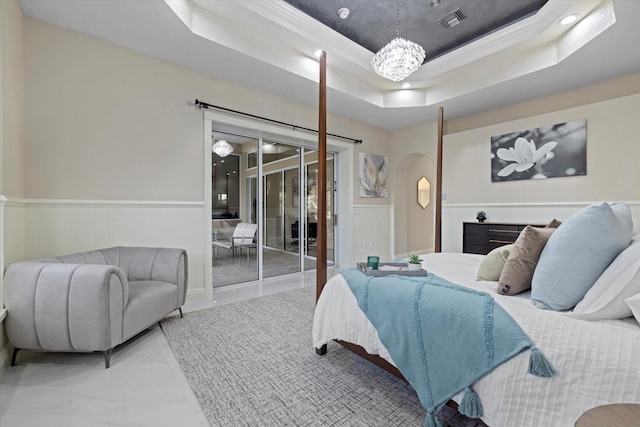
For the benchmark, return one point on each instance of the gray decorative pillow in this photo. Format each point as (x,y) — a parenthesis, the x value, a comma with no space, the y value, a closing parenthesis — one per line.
(518,269)
(492,264)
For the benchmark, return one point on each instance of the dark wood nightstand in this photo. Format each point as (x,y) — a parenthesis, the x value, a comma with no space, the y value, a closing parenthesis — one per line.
(482,237)
(616,415)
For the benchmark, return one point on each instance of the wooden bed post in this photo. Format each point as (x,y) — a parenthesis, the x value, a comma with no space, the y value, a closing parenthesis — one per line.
(321,249)
(438,231)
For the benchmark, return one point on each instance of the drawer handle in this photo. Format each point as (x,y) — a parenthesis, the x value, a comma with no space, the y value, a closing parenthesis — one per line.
(504,231)
(500,241)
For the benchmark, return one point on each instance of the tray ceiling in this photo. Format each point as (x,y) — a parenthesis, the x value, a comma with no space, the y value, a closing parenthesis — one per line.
(372,24)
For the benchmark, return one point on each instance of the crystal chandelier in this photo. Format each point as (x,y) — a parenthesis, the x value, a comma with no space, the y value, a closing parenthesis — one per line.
(222,148)
(399,58)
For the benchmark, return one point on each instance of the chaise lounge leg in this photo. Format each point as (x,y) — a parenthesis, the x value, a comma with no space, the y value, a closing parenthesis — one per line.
(107,357)
(322,350)
(13,356)
(180,310)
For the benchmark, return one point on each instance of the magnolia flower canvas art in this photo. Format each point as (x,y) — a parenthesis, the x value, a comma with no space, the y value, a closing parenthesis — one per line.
(546,152)
(373,175)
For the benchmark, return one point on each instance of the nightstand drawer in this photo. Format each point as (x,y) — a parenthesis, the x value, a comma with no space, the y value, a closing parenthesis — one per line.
(483,237)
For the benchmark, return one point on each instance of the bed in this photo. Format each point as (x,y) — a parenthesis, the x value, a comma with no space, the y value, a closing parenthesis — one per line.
(597,362)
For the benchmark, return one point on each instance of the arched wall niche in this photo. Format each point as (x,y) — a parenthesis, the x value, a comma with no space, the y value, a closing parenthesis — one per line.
(413,226)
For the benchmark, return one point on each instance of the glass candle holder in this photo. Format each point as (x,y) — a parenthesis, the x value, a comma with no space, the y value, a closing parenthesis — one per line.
(372,262)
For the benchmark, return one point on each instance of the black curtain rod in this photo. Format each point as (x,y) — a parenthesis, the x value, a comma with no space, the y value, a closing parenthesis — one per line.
(201,104)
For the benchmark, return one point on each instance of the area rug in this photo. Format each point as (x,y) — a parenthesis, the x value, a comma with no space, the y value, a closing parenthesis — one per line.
(251,363)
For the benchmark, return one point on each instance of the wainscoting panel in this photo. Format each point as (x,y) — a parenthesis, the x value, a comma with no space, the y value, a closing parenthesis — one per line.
(454,215)
(371,232)
(14,232)
(12,237)
(59,227)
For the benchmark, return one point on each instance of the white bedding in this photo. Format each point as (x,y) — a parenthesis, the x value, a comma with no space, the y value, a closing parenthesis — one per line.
(597,362)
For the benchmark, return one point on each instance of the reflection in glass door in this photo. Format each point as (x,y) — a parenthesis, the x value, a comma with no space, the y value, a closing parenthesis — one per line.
(292,209)
(276,191)
(273,212)
(311,228)
(280,169)
(234,244)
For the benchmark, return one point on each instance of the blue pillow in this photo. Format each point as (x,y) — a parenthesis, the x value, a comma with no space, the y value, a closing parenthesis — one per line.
(578,252)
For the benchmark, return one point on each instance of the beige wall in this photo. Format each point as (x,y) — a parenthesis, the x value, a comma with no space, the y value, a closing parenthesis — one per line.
(419,220)
(612,158)
(611,110)
(105,122)
(413,155)
(12,227)
(603,91)
(413,225)
(11,182)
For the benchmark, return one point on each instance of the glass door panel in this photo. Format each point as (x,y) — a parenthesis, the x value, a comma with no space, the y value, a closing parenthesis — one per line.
(280,166)
(280,195)
(273,215)
(233,198)
(292,210)
(311,203)
(330,218)
(311,219)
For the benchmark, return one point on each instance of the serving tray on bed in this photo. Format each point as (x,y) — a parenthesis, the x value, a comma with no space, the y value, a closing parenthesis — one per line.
(404,270)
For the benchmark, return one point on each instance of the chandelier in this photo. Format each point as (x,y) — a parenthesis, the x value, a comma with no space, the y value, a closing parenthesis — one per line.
(222,148)
(398,58)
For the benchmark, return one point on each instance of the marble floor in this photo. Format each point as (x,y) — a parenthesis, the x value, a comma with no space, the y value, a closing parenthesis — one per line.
(143,387)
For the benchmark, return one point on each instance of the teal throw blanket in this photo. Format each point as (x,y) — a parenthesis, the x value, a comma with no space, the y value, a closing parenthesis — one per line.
(441,336)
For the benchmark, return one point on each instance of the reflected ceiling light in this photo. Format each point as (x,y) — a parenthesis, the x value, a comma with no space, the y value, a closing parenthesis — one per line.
(406,85)
(568,19)
(399,58)
(222,148)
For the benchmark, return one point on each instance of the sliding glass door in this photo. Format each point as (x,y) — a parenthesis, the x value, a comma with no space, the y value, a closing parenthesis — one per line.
(275,186)
(281,175)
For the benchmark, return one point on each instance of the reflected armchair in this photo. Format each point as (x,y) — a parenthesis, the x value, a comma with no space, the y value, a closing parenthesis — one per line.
(243,236)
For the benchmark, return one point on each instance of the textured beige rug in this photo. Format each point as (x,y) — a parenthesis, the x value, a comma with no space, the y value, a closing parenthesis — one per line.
(252,363)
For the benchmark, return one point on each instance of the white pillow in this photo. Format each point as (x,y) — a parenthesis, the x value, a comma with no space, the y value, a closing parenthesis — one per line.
(634,305)
(492,264)
(621,280)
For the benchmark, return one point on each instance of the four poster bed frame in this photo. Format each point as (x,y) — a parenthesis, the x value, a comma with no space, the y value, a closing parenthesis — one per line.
(577,346)
(321,260)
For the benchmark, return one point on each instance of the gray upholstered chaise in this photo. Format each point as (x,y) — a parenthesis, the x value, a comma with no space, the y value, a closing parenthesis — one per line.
(92,301)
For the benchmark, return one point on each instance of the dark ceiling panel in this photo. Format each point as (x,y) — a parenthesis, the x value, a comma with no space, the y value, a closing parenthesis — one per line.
(372,23)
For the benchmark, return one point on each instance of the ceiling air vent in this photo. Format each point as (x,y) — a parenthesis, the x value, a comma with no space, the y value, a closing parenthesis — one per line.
(452,19)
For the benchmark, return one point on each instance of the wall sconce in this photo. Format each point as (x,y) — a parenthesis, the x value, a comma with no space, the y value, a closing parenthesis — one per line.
(424,192)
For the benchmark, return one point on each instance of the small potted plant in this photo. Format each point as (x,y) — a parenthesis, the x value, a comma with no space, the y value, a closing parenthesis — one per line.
(415,262)
(481,216)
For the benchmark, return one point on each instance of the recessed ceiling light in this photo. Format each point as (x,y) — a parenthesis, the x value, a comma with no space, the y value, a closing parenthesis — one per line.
(406,85)
(343,13)
(317,53)
(568,19)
